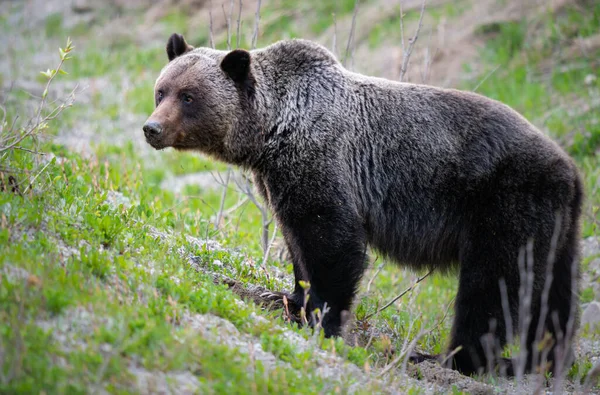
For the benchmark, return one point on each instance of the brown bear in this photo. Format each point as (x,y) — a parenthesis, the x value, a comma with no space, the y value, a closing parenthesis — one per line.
(430,177)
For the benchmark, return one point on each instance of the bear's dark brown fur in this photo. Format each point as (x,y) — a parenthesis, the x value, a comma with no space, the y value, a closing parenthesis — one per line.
(432,178)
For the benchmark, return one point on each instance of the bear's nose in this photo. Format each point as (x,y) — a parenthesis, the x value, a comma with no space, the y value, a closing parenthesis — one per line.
(152,129)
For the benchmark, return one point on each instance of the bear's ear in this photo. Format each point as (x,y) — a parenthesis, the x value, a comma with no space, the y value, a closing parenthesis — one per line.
(236,65)
(176,46)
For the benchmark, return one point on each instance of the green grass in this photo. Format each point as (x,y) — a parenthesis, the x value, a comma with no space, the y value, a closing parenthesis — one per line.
(113,267)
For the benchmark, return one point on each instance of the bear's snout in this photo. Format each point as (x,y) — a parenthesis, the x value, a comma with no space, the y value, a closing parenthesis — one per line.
(152,129)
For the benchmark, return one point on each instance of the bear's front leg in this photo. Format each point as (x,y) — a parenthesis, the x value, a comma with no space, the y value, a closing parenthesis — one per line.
(328,249)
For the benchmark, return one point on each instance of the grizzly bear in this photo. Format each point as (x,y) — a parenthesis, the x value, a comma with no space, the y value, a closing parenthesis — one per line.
(432,178)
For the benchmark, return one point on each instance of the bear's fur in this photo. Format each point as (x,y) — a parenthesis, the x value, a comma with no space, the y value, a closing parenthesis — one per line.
(430,177)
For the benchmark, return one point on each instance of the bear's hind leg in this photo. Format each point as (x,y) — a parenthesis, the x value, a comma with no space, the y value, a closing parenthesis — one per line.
(560,320)
(479,329)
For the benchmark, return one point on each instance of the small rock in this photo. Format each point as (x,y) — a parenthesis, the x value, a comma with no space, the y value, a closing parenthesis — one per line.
(591,315)
(115,199)
(589,79)
(14,273)
(591,246)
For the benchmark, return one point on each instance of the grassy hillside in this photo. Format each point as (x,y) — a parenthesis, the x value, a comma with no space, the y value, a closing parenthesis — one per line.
(126,270)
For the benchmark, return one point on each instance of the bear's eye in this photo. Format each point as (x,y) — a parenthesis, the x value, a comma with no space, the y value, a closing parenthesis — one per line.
(159,96)
(187,98)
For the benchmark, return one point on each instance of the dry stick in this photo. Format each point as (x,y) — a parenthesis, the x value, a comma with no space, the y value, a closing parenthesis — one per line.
(334,44)
(256,22)
(36,176)
(266,254)
(570,330)
(488,75)
(508,324)
(229,170)
(246,189)
(450,355)
(405,354)
(239,204)
(399,296)
(10,130)
(229,25)
(3,121)
(411,43)
(239,25)
(210,26)
(406,347)
(546,291)
(436,326)
(525,262)
(427,60)
(350,43)
(42,120)
(223,197)
(592,375)
(487,342)
(375,275)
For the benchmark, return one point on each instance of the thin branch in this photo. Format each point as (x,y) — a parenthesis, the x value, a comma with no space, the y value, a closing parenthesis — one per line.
(375,275)
(391,302)
(592,375)
(334,44)
(229,25)
(239,25)
(210,26)
(256,22)
(223,197)
(485,78)
(268,249)
(30,151)
(411,43)
(42,121)
(350,43)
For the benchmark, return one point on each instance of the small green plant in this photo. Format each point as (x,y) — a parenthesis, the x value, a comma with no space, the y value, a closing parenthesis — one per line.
(26,135)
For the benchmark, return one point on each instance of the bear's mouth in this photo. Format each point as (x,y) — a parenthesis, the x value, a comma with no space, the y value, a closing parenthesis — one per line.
(156,144)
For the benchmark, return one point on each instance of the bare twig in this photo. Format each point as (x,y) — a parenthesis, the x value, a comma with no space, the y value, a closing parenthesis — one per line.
(229,24)
(266,252)
(375,274)
(350,44)
(210,26)
(41,121)
(37,126)
(450,355)
(508,322)
(391,302)
(334,44)
(406,52)
(229,169)
(541,326)
(525,263)
(563,352)
(36,176)
(223,197)
(427,60)
(402,355)
(245,187)
(488,75)
(592,375)
(256,23)
(239,25)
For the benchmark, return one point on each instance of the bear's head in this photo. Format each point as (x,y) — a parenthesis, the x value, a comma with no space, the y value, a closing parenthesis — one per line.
(199,95)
